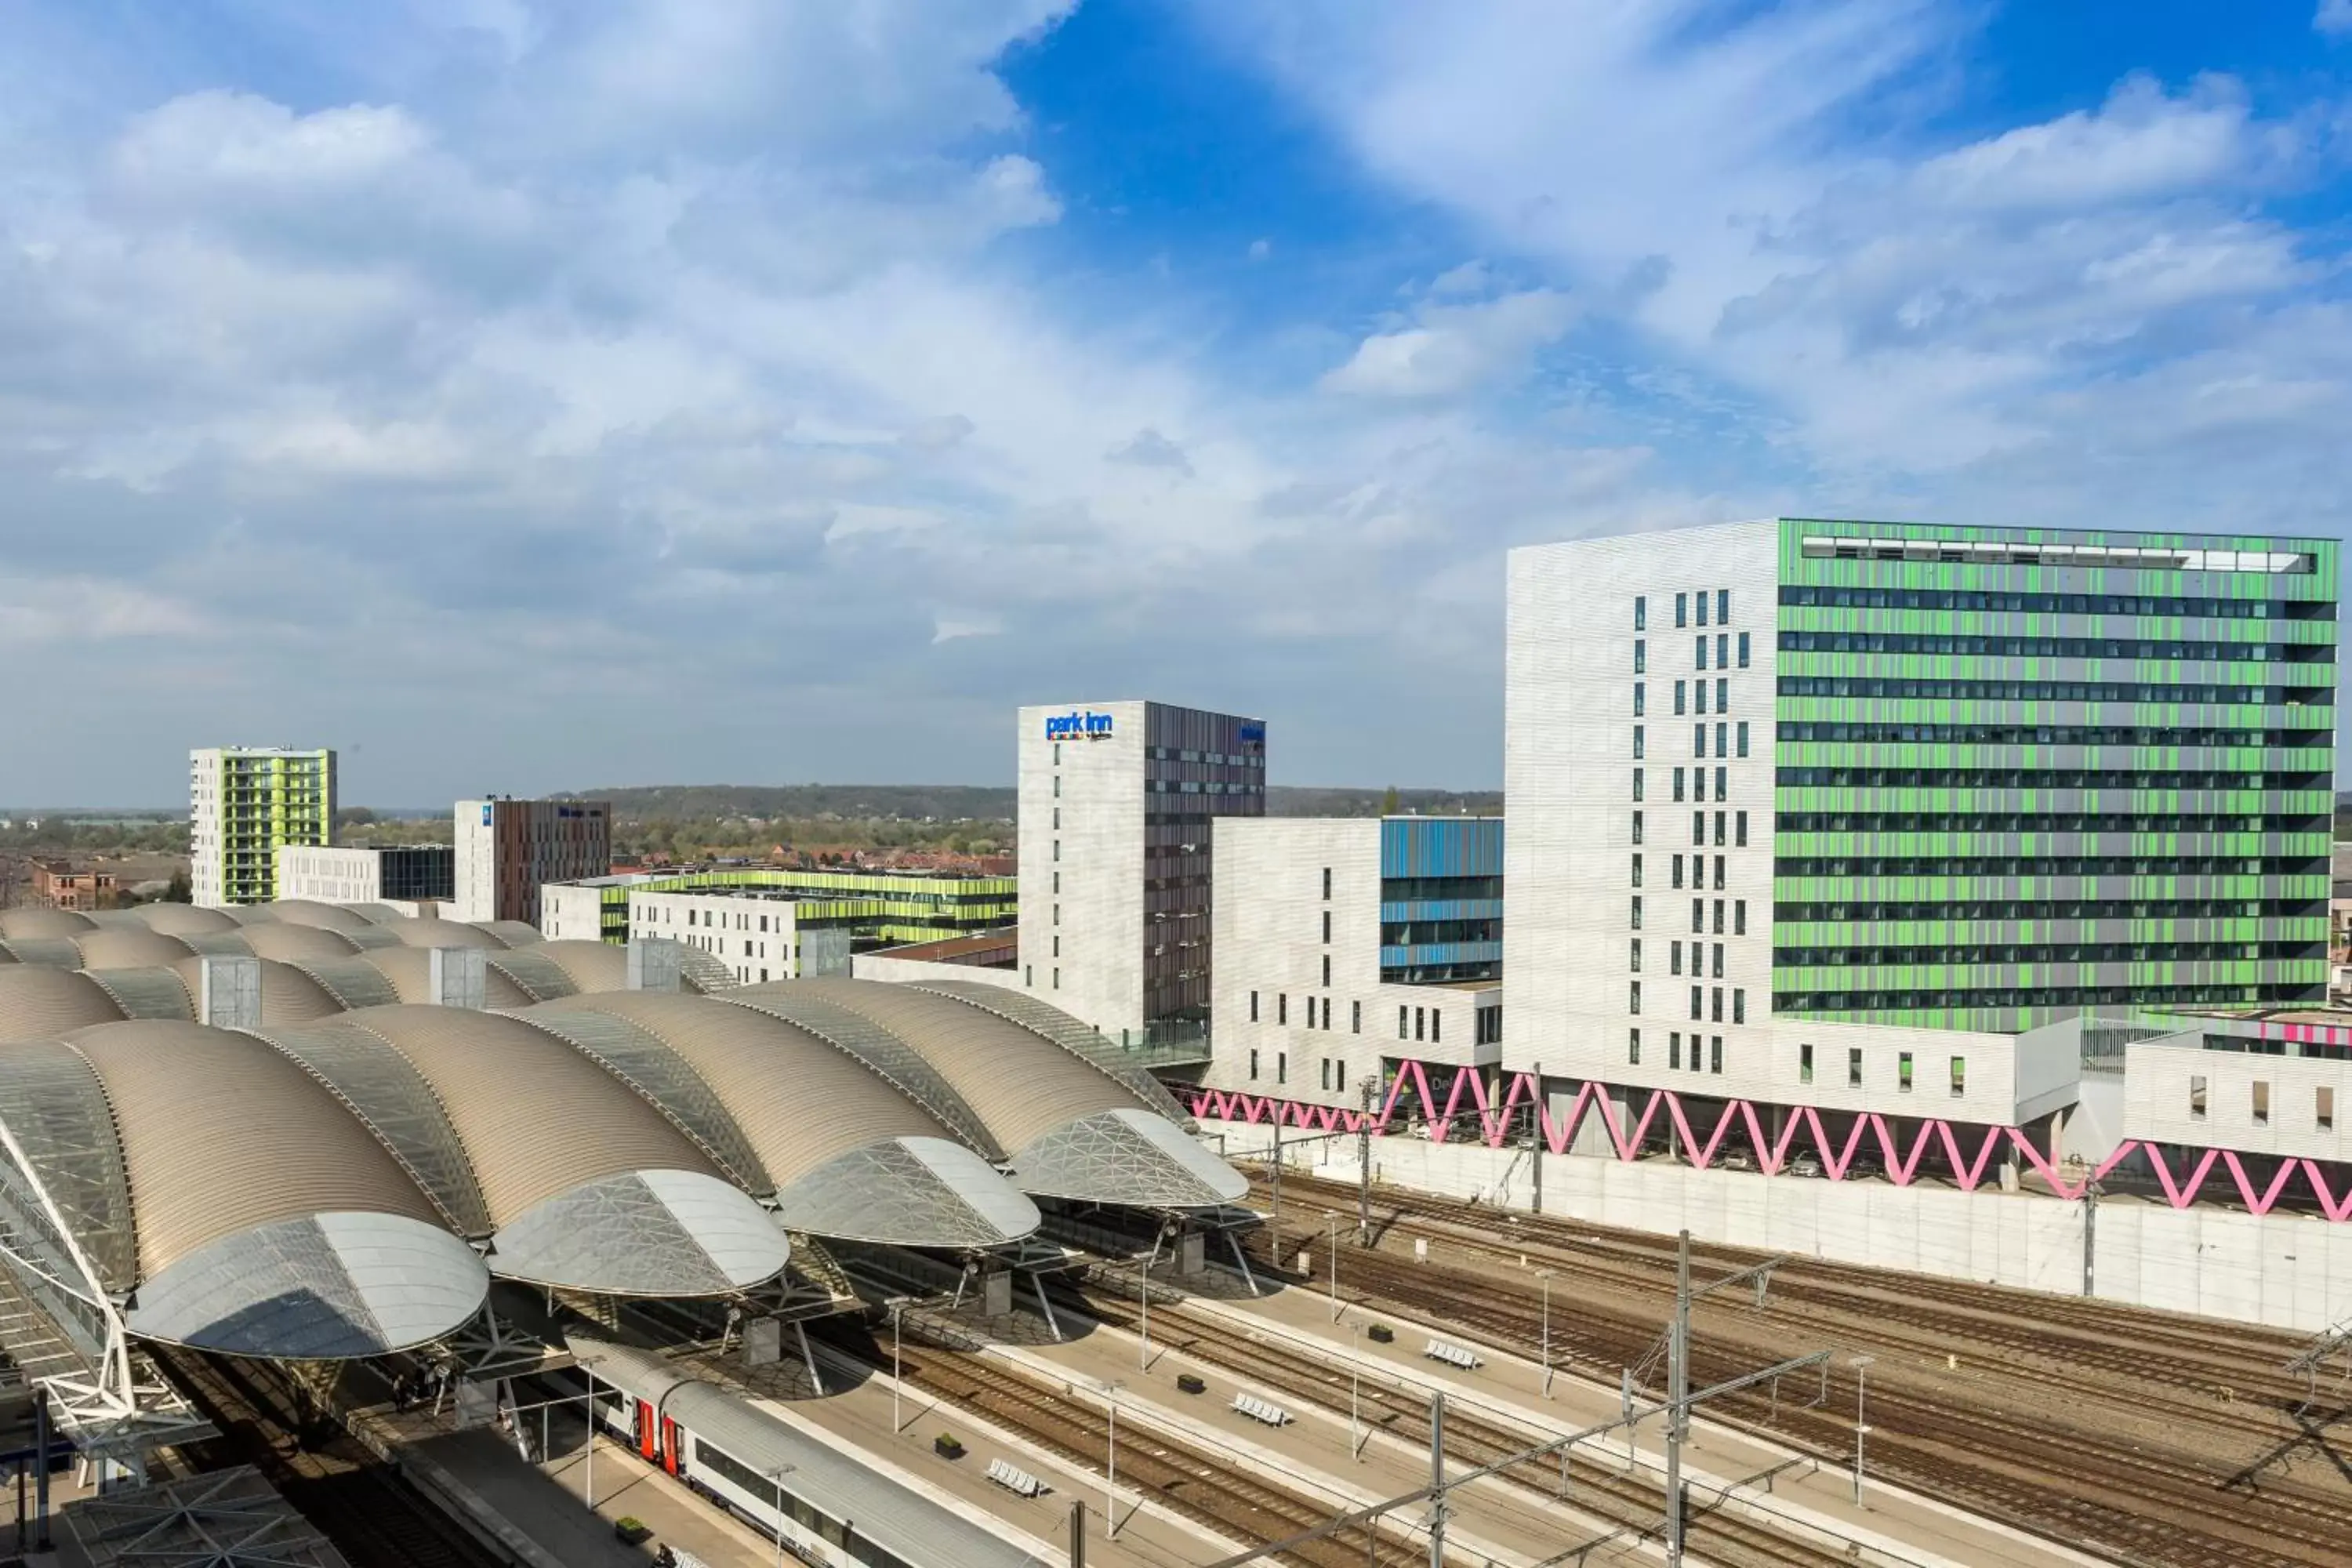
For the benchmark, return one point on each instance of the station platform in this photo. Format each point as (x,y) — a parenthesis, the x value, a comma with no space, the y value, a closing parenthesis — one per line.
(1890,1526)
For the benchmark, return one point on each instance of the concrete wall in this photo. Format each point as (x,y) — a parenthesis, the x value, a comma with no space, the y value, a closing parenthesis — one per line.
(906,970)
(2234,1099)
(2288,1272)
(1569,940)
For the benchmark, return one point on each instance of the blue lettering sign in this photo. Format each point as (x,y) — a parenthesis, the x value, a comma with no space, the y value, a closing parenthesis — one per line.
(1253,733)
(1077,726)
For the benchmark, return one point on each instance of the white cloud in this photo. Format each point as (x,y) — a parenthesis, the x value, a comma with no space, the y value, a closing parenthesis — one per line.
(2334,17)
(1451,349)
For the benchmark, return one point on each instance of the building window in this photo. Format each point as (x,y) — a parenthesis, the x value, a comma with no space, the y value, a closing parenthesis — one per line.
(1436,1027)
(1282,1007)
(1698,1002)
(1698,828)
(1057,819)
(1640,690)
(1057,947)
(1722,694)
(1057,850)
(1702,606)
(1678,870)
(1719,827)
(1902,1071)
(1739,1006)
(1723,607)
(1679,685)
(1634,1048)
(1675,1050)
(2261,1104)
(1719,883)
(1634,958)
(1420,1023)
(1960,1077)
(1637,911)
(1720,750)
(1739,916)
(1698,914)
(1641,656)
(1327,927)
(1739,831)
(1699,697)
(1354,1017)
(1057,786)
(1058,754)
(1637,870)
(1715,1054)
(1029,976)
(1715,1002)
(1682,607)
(1674,958)
(2196,1098)
(1057,979)
(1253,1007)
(1678,783)
(1637,828)
(1327,895)
(1404,1021)
(1641,614)
(1722,783)
(1637,743)
(1637,784)
(1698,652)
(1326,980)
(1057,881)
(1743,738)
(1323,1066)
(1282,1066)
(1743,650)
(1854,1067)
(1805,1064)
(1719,960)
(1698,740)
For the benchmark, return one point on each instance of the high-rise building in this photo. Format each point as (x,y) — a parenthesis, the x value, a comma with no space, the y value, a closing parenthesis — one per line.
(1777,777)
(1118,803)
(508,849)
(244,802)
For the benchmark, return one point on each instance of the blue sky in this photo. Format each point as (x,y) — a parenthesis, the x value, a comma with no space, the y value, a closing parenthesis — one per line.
(524,396)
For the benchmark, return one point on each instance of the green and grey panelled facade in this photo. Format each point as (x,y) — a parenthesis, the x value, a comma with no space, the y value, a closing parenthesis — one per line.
(2023,772)
(880,908)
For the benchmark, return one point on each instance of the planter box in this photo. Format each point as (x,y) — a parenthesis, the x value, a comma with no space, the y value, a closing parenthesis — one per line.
(947,1448)
(630,1531)
(1381,1333)
(1190,1383)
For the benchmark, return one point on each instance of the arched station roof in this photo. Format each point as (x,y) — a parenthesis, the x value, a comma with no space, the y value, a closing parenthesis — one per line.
(834,1144)
(265,1220)
(1070,1126)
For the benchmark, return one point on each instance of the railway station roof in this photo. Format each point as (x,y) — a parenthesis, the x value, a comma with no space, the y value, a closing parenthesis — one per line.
(1071,1125)
(833,1143)
(223,1193)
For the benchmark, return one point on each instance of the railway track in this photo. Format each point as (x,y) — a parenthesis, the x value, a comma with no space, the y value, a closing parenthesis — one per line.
(1202,1487)
(2110,1461)
(372,1517)
(1633,1506)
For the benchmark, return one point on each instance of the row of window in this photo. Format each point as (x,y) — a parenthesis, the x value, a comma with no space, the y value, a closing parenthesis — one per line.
(1699,953)
(1428,933)
(1723,741)
(1435,890)
(1871,687)
(1705,1003)
(2117,779)
(2046,952)
(1739,823)
(2258,1106)
(1903,1075)
(1698,777)
(1871,733)
(2171,650)
(1697,697)
(1215,759)
(1195,786)
(1722,651)
(1682,602)
(1698,869)
(1706,1055)
(2029,822)
(2047,865)
(1824,597)
(1790,1003)
(1795,912)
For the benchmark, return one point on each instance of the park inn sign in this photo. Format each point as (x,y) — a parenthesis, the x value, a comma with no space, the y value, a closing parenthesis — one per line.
(1077,726)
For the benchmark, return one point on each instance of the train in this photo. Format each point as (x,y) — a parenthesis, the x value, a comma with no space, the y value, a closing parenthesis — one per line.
(826,1508)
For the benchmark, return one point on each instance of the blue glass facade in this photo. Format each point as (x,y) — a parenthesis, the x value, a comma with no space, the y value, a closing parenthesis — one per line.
(1441,898)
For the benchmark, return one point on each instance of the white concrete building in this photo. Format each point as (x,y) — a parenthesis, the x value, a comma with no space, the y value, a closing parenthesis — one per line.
(1348,946)
(1117,802)
(349,874)
(509,849)
(757,935)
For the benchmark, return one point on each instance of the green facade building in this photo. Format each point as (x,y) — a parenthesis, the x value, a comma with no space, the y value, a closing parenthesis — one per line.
(2021,774)
(244,802)
(879,909)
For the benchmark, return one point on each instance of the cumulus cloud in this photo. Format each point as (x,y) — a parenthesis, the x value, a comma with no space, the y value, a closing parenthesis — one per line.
(1450,350)
(2334,17)
(1148,448)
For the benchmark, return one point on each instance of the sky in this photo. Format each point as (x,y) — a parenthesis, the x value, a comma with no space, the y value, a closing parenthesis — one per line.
(522,396)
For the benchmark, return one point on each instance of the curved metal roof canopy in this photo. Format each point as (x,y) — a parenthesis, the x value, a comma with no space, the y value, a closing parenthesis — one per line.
(266,1221)
(1073,1128)
(841,1151)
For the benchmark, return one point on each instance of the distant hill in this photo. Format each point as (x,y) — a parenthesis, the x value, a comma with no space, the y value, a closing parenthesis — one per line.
(973,803)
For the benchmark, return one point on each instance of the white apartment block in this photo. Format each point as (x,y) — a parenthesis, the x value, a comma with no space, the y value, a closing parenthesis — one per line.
(1315,947)
(757,936)
(509,849)
(244,802)
(572,911)
(1117,802)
